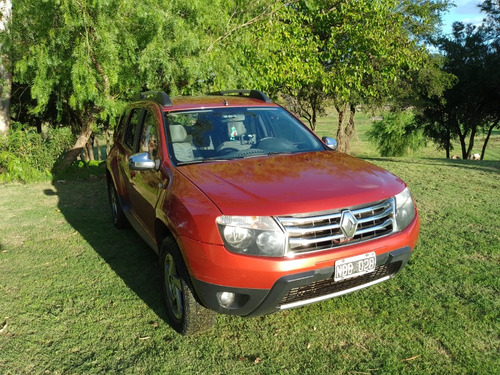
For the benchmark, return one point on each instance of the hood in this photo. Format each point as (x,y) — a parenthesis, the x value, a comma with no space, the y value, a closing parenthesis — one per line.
(291,184)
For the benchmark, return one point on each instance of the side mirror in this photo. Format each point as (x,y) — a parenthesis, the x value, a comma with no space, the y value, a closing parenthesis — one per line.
(330,142)
(141,162)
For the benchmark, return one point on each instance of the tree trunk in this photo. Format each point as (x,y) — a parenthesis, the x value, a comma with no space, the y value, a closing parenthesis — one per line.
(80,143)
(314,119)
(471,142)
(448,143)
(98,148)
(90,148)
(5,87)
(461,137)
(341,110)
(495,124)
(84,154)
(345,129)
(5,77)
(349,130)
(462,146)
(315,107)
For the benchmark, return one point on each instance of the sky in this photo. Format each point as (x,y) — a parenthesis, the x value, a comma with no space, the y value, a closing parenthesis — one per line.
(466,11)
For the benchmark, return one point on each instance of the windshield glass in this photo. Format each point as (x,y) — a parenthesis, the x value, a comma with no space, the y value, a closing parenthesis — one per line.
(231,133)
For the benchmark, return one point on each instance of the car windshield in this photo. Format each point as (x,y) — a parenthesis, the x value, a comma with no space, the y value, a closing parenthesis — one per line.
(232,133)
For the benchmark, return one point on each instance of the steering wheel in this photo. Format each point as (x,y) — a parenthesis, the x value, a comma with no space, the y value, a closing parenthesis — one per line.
(227,150)
(266,139)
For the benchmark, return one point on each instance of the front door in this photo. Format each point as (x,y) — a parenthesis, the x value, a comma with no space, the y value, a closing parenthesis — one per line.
(144,187)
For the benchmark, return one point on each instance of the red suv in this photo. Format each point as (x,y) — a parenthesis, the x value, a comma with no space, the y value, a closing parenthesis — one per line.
(250,212)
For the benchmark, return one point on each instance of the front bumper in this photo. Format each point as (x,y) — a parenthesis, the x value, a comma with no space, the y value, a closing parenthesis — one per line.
(298,289)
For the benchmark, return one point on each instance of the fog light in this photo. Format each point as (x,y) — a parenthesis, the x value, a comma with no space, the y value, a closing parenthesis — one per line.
(226,299)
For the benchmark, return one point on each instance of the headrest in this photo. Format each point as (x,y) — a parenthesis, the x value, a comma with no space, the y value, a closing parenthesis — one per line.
(178,133)
(239,126)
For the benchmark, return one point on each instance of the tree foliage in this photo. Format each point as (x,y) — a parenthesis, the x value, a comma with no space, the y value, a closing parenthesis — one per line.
(94,53)
(356,52)
(82,59)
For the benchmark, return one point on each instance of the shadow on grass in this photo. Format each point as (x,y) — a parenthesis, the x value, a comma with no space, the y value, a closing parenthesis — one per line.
(83,201)
(483,165)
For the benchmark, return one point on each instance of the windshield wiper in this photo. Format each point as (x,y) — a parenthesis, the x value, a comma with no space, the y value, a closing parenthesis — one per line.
(279,153)
(208,160)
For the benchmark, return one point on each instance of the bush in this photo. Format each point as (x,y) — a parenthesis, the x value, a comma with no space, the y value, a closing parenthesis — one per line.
(28,156)
(13,168)
(395,134)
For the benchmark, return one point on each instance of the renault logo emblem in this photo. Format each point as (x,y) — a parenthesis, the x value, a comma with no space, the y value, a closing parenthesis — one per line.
(348,224)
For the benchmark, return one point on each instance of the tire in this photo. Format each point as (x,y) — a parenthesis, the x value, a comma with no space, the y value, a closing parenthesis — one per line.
(185,314)
(117,214)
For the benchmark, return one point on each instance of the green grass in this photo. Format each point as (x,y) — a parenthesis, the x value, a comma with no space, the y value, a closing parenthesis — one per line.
(78,296)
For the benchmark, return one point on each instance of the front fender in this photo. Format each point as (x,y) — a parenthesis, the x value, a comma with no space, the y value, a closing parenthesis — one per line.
(187,211)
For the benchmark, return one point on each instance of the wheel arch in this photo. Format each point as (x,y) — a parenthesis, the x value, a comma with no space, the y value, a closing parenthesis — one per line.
(162,231)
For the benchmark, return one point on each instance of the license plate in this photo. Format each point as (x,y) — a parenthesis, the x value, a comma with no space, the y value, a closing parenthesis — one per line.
(355,266)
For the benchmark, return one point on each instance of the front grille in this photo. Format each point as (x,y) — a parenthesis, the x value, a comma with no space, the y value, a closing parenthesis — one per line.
(330,286)
(316,232)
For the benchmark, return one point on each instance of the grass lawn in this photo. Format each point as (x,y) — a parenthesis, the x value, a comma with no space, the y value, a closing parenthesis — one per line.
(78,296)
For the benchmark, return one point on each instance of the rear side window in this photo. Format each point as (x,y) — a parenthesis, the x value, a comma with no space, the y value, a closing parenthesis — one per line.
(120,129)
(132,128)
(149,137)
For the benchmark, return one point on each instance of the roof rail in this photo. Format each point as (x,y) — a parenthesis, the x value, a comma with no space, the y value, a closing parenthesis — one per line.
(254,94)
(159,97)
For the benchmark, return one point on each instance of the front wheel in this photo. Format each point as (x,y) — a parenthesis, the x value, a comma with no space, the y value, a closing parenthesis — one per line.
(185,314)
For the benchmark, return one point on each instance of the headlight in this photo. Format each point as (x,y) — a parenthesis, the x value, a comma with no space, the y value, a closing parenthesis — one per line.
(252,235)
(405,209)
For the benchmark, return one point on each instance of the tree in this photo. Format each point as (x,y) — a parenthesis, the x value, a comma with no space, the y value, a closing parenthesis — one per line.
(492,10)
(355,52)
(85,58)
(5,12)
(64,52)
(491,26)
(471,104)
